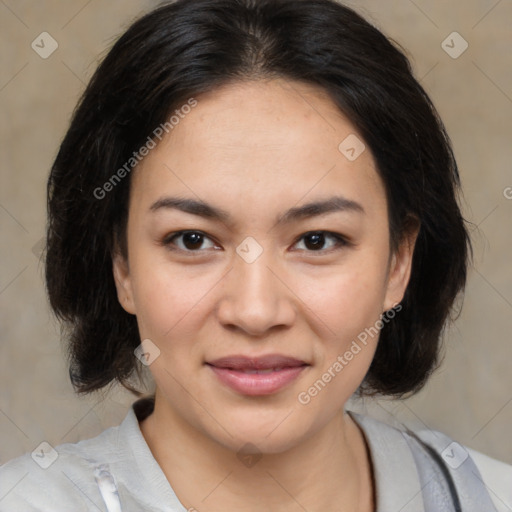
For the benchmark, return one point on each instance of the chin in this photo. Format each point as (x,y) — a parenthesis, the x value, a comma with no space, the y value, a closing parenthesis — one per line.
(260,433)
(256,443)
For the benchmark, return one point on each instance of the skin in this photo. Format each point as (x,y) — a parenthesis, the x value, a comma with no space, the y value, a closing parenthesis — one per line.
(256,149)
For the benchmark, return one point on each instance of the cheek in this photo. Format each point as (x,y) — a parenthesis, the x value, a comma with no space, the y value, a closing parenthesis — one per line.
(168,297)
(347,297)
(349,304)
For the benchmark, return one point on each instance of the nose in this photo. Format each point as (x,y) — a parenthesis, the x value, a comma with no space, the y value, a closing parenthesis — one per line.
(255,298)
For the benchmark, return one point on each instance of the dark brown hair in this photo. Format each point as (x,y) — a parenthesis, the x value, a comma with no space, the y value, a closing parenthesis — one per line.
(189,47)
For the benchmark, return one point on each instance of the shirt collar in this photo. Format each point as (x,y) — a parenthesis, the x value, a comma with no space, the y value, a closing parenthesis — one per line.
(397,483)
(145,472)
(396,480)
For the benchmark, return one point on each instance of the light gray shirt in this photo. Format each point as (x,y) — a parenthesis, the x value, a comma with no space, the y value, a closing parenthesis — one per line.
(116,472)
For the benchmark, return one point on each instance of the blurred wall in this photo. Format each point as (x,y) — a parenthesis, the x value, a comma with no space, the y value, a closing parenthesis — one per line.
(469,398)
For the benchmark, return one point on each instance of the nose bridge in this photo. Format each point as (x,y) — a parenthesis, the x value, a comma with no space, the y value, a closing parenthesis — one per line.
(255,299)
(256,281)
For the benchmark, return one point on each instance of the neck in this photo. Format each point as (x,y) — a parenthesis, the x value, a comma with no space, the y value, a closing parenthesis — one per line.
(332,466)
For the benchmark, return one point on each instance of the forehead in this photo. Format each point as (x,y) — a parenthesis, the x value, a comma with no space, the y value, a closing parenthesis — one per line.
(260,144)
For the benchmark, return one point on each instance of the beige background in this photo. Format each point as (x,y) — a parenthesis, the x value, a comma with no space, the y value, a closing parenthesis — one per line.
(469,398)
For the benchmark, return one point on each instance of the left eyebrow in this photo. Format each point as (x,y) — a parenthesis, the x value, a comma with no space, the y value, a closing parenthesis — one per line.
(331,205)
(316,208)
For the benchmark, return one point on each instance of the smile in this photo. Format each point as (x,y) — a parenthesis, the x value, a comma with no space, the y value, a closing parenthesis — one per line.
(257,382)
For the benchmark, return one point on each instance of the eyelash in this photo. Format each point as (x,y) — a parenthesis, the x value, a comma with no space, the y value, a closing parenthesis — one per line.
(340,241)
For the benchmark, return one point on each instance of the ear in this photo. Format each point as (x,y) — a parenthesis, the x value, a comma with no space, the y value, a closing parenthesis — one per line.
(123,282)
(399,270)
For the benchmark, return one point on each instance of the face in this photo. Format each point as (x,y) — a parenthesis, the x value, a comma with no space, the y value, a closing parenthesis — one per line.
(262,296)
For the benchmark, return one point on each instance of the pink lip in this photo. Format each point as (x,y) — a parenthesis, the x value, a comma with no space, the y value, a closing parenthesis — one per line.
(232,371)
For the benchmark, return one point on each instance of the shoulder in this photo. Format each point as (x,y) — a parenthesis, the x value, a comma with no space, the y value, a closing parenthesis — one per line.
(436,466)
(497,476)
(471,469)
(60,478)
(98,474)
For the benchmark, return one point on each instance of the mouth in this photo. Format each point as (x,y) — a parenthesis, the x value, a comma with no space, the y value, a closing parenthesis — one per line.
(255,376)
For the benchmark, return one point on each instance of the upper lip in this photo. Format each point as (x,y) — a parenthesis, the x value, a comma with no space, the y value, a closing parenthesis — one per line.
(241,362)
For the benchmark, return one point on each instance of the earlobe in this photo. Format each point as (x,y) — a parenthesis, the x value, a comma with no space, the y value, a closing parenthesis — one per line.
(123,283)
(400,269)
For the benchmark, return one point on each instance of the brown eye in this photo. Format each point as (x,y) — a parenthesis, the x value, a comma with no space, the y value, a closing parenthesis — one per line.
(316,240)
(188,241)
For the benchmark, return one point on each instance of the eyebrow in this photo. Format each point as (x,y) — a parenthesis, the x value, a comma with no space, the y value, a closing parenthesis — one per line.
(316,208)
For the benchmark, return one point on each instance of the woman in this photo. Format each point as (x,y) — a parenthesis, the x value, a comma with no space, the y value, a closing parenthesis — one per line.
(257,201)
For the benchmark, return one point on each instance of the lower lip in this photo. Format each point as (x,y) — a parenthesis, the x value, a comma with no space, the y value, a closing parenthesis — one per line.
(257,383)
